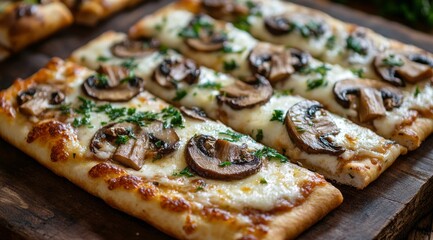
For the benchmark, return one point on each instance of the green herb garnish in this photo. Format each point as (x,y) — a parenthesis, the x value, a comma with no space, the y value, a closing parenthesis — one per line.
(270,153)
(180,94)
(186,172)
(259,135)
(230,65)
(231,136)
(225,164)
(277,115)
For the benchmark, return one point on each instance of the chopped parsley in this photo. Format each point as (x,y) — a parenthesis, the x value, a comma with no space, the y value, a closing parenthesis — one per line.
(129,64)
(322,70)
(229,49)
(417,91)
(286,92)
(112,113)
(102,80)
(263,181)
(122,139)
(186,172)
(312,28)
(392,61)
(315,83)
(84,121)
(158,27)
(277,115)
(270,153)
(358,72)
(225,164)
(171,117)
(102,59)
(65,109)
(210,85)
(330,43)
(242,23)
(197,25)
(180,94)
(231,136)
(259,135)
(230,65)
(355,45)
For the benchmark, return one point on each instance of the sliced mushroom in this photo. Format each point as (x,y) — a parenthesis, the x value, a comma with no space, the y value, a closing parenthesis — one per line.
(246,95)
(307,25)
(401,68)
(370,97)
(275,62)
(131,145)
(206,37)
(227,10)
(173,72)
(194,113)
(36,100)
(220,159)
(113,83)
(312,129)
(132,49)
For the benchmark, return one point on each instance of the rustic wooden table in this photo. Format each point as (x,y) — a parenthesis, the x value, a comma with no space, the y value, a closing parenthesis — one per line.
(36,204)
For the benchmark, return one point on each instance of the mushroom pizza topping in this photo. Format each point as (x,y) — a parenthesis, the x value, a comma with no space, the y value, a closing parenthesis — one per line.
(173,72)
(130,144)
(227,10)
(401,68)
(36,100)
(203,35)
(194,112)
(312,129)
(113,83)
(220,159)
(275,62)
(246,94)
(308,26)
(370,97)
(134,48)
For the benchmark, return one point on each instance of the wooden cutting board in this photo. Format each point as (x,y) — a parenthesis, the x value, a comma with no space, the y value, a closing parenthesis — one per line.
(37,204)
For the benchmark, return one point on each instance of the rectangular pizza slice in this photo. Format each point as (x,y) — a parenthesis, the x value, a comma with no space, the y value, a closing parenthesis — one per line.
(191,179)
(299,128)
(90,12)
(23,23)
(401,114)
(324,37)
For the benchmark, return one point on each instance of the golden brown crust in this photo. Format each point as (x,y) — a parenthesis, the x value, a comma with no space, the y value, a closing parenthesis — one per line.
(90,12)
(41,21)
(414,134)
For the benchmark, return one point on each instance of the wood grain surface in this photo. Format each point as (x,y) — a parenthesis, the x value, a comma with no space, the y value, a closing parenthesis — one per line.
(37,204)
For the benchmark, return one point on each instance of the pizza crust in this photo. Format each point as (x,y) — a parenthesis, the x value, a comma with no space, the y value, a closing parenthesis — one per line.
(49,18)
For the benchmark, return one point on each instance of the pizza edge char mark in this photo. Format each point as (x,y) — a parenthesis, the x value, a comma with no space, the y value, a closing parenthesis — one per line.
(35,109)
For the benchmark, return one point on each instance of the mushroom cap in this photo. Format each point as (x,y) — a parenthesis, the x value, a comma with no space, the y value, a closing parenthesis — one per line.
(307,24)
(312,129)
(399,68)
(206,156)
(227,10)
(207,37)
(37,99)
(194,113)
(275,62)
(130,144)
(113,83)
(345,90)
(134,48)
(249,94)
(171,73)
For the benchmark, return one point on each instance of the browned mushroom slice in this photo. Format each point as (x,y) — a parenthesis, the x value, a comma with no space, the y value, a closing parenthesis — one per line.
(113,83)
(194,112)
(131,145)
(246,95)
(220,159)
(173,72)
(374,97)
(227,10)
(36,100)
(134,48)
(271,61)
(203,35)
(399,68)
(299,58)
(312,129)
(306,25)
